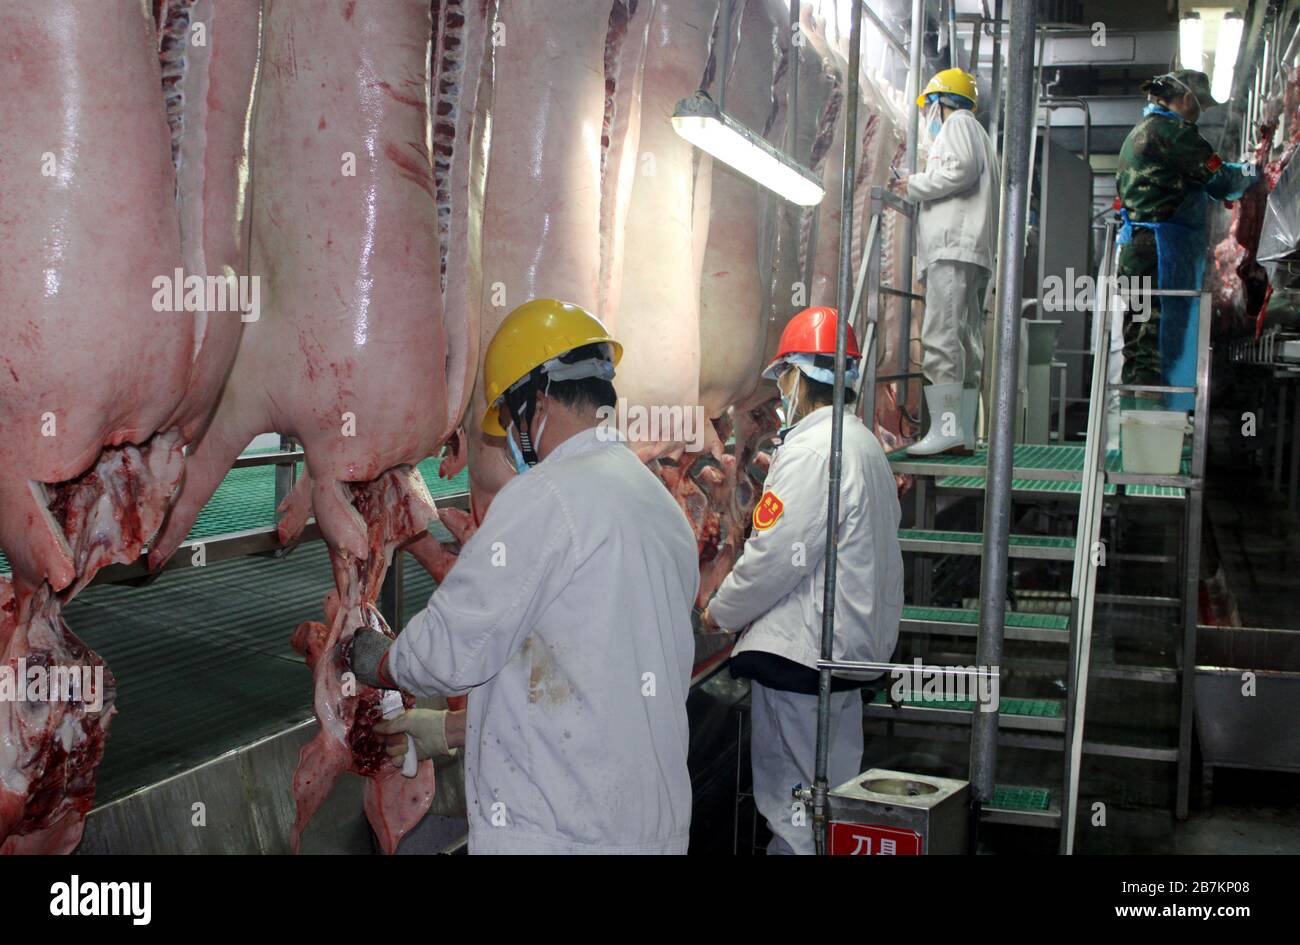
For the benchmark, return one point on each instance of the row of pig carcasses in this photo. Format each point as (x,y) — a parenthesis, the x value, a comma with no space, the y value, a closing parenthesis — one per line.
(589,195)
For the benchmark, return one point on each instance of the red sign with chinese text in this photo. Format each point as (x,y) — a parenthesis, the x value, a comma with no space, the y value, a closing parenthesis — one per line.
(872,840)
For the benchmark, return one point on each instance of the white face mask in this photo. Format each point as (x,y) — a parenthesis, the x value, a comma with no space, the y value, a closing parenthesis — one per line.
(790,401)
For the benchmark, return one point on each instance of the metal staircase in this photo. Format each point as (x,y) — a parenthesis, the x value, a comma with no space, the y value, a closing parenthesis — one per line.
(1084,476)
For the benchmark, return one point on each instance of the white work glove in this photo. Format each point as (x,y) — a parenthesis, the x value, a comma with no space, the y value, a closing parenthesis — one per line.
(427,728)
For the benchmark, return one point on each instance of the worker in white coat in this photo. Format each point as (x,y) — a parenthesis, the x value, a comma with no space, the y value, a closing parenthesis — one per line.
(568,615)
(777,585)
(956,231)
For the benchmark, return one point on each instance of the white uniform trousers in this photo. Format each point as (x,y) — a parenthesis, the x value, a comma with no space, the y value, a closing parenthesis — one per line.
(783,753)
(952,331)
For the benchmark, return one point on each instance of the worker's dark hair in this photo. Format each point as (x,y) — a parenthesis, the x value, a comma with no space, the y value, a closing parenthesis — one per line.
(584,392)
(823,395)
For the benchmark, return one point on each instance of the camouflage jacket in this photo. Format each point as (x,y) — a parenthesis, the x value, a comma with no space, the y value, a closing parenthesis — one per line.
(1159,161)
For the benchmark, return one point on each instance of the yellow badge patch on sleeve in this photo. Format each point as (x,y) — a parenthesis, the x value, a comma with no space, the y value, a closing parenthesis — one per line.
(767,511)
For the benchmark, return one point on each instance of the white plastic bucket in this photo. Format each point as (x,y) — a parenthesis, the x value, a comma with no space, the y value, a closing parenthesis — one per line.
(1151,441)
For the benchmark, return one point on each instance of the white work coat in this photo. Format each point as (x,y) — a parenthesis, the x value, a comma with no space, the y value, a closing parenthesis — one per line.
(776,587)
(958,195)
(569,616)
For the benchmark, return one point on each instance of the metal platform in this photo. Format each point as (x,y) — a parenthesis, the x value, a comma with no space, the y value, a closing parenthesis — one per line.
(1030,488)
(1042,628)
(1031,461)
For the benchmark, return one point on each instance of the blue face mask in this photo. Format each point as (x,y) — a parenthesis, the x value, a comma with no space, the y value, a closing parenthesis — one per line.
(516,454)
(935,127)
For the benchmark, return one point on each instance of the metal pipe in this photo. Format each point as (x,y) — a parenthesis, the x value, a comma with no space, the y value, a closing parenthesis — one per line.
(1073,101)
(954,50)
(997,507)
(976,32)
(792,96)
(884,30)
(1037,77)
(1044,202)
(860,667)
(913,131)
(995,111)
(844,297)
(914,68)
(725,54)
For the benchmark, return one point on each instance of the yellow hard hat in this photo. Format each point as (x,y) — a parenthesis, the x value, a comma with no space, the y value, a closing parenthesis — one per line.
(530,336)
(953,82)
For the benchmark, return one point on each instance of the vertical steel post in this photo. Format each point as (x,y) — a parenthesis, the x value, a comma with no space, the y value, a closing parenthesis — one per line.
(286,474)
(997,510)
(913,130)
(844,299)
(792,96)
(725,29)
(1043,203)
(954,49)
(995,110)
(1194,510)
(391,593)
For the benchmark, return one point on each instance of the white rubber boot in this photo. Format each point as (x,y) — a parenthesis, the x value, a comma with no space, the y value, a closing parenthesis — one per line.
(970,408)
(945,434)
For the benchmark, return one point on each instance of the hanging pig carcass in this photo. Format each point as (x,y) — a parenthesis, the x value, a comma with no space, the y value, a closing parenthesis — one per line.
(114,194)
(355,225)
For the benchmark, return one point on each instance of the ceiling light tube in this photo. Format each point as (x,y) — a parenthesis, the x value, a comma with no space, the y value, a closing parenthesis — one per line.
(1191,42)
(699,120)
(1225,56)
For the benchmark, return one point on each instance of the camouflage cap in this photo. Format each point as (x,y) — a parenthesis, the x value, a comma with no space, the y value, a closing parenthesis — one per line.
(1198,83)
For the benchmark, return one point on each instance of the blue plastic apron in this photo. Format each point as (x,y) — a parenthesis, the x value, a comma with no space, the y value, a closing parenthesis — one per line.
(1180,253)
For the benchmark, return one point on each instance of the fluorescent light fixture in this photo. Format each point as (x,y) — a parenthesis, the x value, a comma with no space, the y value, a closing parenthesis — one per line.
(699,120)
(1191,42)
(1225,56)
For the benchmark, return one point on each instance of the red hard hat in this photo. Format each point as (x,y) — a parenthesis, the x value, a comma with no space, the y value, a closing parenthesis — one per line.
(812,331)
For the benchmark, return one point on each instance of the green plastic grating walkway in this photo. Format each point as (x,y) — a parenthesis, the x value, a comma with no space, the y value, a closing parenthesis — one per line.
(1037,708)
(1013,618)
(1018,798)
(246,499)
(1056,486)
(1066,458)
(975,538)
(1145,491)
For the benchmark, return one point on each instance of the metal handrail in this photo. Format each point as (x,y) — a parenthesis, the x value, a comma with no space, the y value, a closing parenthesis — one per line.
(885,31)
(1083,581)
(277,458)
(882,199)
(1083,589)
(821,788)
